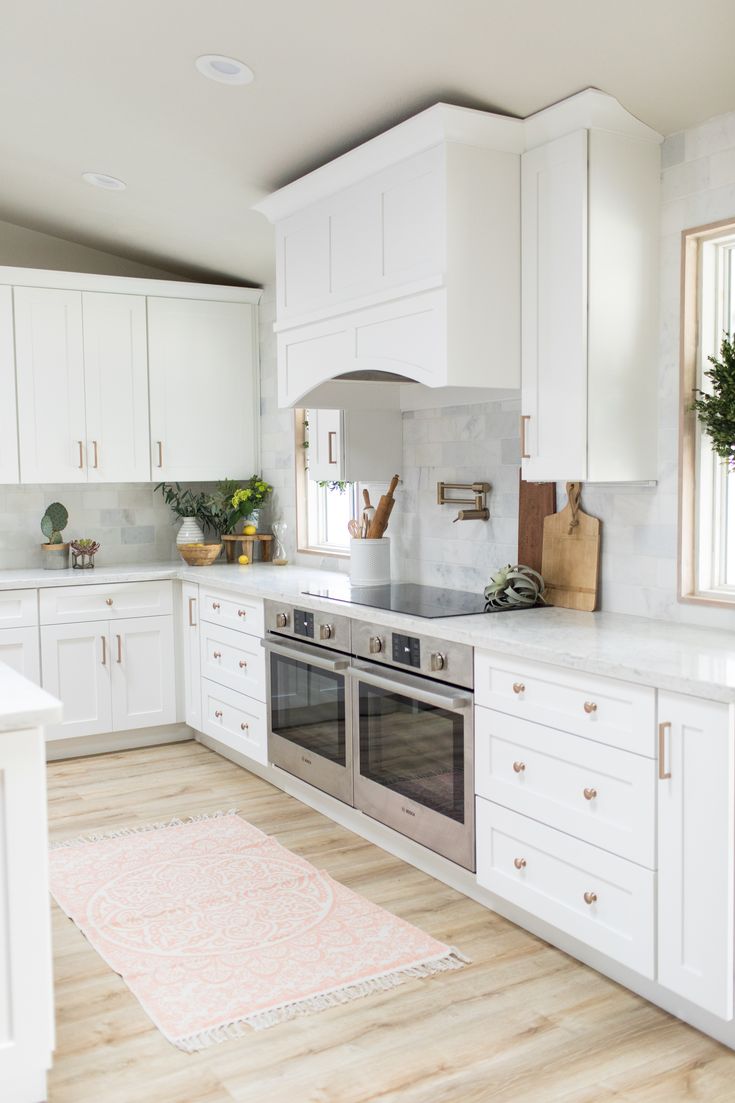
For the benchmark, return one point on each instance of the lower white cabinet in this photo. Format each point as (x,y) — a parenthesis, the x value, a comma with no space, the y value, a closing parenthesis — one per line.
(238,721)
(696,851)
(19,649)
(110,676)
(190,652)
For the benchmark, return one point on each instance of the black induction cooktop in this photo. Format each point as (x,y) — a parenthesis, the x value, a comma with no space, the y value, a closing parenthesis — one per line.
(407,597)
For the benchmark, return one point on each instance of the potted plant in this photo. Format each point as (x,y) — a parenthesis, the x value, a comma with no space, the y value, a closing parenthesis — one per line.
(83,552)
(235,503)
(716,410)
(55,551)
(188,505)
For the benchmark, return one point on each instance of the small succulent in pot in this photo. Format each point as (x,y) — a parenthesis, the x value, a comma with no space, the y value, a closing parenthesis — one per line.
(83,552)
(55,551)
(515,587)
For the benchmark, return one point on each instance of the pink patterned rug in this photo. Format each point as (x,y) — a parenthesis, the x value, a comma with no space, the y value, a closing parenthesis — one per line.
(214,925)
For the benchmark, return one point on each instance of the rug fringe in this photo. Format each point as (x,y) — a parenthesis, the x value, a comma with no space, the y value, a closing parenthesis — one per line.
(136,829)
(261,1020)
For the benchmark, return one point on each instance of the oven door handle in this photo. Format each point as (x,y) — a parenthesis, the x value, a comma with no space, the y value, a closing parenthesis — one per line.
(450,698)
(303,653)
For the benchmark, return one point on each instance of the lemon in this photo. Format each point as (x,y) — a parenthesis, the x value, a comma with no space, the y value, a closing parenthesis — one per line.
(243,560)
(249,530)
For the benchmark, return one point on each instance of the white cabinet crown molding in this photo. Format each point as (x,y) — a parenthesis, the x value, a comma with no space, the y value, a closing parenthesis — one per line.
(127,285)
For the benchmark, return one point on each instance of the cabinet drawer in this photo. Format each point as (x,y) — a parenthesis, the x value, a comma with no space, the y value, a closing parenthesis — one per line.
(552,876)
(232,659)
(603,709)
(244,614)
(600,794)
(70,604)
(18,608)
(235,720)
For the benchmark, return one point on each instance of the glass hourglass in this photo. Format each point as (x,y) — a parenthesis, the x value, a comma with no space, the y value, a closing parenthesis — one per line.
(279,557)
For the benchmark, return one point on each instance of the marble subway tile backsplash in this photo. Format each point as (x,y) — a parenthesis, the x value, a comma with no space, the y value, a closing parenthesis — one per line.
(131,522)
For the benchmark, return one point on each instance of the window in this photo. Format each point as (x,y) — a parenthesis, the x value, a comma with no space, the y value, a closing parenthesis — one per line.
(323,509)
(707,507)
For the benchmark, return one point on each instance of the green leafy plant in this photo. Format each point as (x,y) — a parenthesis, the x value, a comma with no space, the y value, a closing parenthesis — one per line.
(183,502)
(234,502)
(516,587)
(53,523)
(716,411)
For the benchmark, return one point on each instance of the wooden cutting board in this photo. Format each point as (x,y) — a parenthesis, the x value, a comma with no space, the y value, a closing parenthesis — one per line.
(535,502)
(570,561)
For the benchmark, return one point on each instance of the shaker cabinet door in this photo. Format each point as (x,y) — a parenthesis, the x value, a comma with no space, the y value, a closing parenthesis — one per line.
(201,363)
(75,667)
(143,673)
(9,469)
(696,845)
(50,379)
(326,445)
(116,387)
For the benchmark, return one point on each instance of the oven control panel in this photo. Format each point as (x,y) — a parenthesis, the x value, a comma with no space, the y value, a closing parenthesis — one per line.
(303,623)
(407,650)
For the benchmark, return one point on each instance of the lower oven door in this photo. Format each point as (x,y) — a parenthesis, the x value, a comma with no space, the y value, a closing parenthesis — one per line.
(308,715)
(414,752)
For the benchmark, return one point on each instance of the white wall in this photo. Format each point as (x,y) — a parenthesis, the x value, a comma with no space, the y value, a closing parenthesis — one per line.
(639,536)
(32,249)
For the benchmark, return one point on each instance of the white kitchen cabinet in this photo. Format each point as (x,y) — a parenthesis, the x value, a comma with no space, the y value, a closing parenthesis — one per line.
(355,445)
(9,468)
(19,650)
(142,671)
(203,389)
(50,380)
(696,851)
(116,387)
(589,210)
(192,671)
(75,665)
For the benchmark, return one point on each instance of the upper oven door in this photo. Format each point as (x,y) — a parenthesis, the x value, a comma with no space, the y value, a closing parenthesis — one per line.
(414,749)
(308,714)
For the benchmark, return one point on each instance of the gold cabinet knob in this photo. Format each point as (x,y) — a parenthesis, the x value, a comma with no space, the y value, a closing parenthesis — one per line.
(590,707)
(589,794)
(243,664)
(215,605)
(108,601)
(242,612)
(518,687)
(519,863)
(590,898)
(244,726)
(519,767)
(218,714)
(216,654)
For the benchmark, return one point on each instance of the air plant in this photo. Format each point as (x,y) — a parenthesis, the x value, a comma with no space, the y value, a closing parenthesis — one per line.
(516,587)
(53,523)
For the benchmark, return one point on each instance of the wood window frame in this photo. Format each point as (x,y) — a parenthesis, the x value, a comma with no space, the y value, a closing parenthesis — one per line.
(302,505)
(691,283)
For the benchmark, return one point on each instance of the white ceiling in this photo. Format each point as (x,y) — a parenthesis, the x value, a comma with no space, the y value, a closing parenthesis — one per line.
(111,87)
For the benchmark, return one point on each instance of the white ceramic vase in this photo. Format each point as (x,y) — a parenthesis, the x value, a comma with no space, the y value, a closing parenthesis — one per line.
(190,532)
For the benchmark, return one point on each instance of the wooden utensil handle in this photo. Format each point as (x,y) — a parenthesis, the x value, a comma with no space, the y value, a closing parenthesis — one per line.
(393,484)
(366,498)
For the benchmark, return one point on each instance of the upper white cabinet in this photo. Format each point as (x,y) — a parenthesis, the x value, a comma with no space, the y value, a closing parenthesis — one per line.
(9,470)
(403,256)
(589,302)
(116,387)
(202,362)
(50,380)
(354,445)
(696,848)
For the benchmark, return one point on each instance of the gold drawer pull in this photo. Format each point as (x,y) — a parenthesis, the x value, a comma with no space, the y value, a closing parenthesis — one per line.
(81,454)
(104,650)
(108,601)
(519,863)
(590,707)
(590,794)
(192,622)
(519,767)
(524,453)
(242,612)
(243,664)
(663,773)
(218,714)
(244,726)
(215,605)
(216,654)
(518,687)
(590,898)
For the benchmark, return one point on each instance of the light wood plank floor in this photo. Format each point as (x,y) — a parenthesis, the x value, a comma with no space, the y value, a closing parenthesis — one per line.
(523,1024)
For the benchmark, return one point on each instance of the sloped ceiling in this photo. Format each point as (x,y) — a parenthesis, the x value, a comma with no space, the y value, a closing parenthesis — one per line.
(111,87)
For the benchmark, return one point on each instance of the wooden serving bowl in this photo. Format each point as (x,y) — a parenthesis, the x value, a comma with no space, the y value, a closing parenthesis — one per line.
(199,555)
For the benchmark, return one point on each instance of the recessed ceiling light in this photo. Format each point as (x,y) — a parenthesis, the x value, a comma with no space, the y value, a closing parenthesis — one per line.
(226,70)
(102,180)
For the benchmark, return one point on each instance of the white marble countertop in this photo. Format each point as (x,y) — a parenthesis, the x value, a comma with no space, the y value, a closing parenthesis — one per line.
(699,661)
(22,704)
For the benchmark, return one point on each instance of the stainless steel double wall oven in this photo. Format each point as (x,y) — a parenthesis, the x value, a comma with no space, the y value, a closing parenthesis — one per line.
(378,719)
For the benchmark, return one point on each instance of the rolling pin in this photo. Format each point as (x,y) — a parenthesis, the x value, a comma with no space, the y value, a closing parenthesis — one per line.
(368,512)
(379,523)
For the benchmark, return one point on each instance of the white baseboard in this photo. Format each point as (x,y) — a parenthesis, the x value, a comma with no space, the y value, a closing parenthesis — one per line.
(83,745)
